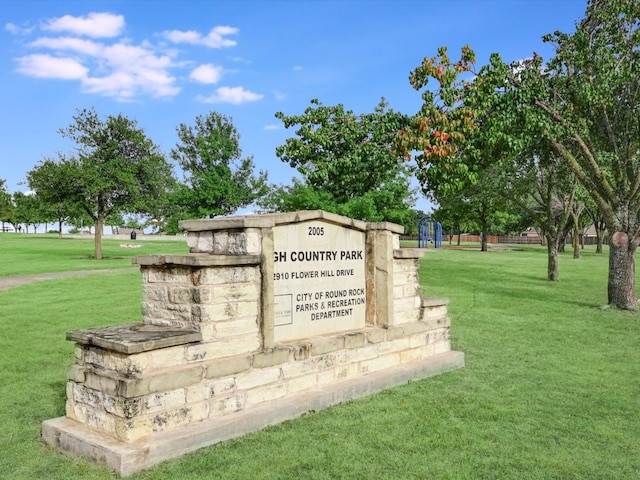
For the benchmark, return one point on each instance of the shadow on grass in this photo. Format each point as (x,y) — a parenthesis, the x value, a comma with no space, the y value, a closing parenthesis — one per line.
(58,393)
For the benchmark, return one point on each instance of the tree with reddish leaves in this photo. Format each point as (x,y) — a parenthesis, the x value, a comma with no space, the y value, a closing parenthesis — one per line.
(584,102)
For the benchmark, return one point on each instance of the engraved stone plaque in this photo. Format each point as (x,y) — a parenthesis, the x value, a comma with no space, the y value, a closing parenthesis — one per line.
(319,279)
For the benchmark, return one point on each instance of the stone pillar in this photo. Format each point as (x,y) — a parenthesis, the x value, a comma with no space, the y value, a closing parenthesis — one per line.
(382,240)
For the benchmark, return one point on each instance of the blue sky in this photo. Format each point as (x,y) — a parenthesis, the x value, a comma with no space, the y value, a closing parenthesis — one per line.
(164,62)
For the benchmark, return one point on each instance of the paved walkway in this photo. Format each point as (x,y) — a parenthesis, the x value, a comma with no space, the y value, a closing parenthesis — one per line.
(9,282)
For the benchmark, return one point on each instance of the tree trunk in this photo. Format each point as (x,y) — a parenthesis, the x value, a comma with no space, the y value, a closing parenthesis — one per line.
(98,236)
(576,241)
(598,243)
(484,247)
(622,273)
(552,260)
(60,229)
(561,244)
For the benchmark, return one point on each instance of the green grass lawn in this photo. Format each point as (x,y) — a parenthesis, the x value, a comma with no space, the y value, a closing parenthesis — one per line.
(25,254)
(551,389)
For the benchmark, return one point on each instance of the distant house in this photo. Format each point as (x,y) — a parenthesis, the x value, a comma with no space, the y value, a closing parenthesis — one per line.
(530,233)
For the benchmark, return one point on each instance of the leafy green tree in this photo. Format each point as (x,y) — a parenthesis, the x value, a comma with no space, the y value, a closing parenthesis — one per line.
(543,185)
(28,210)
(298,196)
(454,213)
(346,163)
(218,180)
(6,204)
(117,169)
(584,102)
(51,180)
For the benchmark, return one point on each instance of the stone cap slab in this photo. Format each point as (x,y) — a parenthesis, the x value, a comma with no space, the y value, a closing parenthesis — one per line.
(134,338)
(433,301)
(392,227)
(270,220)
(197,260)
(408,253)
(227,223)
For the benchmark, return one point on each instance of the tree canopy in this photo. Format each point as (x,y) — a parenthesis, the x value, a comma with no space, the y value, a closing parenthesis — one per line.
(346,163)
(116,169)
(6,203)
(584,102)
(218,180)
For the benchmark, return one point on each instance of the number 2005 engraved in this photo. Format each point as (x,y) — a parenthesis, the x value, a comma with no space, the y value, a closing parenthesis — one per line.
(316,231)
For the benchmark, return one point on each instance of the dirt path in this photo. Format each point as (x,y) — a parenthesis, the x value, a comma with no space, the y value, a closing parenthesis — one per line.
(9,282)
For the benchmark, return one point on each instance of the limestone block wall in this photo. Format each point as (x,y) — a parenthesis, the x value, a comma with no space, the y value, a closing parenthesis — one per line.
(406,288)
(132,396)
(205,348)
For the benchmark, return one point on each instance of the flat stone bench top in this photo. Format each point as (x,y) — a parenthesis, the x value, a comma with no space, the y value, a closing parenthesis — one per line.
(134,338)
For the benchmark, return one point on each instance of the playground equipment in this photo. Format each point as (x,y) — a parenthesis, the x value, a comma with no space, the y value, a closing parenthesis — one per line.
(429,230)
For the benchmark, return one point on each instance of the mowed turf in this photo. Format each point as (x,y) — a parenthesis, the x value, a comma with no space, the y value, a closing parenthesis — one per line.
(551,389)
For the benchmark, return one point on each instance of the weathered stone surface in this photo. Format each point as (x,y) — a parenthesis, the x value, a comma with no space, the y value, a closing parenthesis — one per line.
(200,242)
(209,350)
(396,345)
(271,358)
(408,253)
(177,316)
(386,226)
(168,357)
(76,374)
(257,377)
(226,275)
(225,406)
(380,363)
(127,458)
(246,242)
(167,273)
(137,387)
(323,345)
(354,340)
(169,400)
(375,335)
(133,338)
(304,382)
(228,366)
(238,326)
(264,394)
(433,302)
(125,364)
(226,347)
(170,267)
(227,223)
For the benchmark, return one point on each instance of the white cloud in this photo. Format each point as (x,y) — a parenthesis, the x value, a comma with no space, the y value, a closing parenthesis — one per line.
(95,25)
(87,47)
(297,68)
(272,127)
(177,36)
(119,68)
(235,95)
(47,66)
(16,30)
(126,86)
(206,74)
(214,39)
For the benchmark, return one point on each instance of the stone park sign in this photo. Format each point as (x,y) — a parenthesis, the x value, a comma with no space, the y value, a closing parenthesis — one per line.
(268,317)
(319,279)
